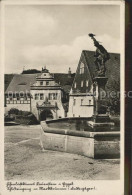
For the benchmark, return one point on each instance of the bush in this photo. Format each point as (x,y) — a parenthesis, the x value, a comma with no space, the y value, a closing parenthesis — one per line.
(13,111)
(25,113)
(8,119)
(23,117)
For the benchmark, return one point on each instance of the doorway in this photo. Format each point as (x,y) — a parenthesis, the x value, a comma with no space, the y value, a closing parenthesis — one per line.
(46,114)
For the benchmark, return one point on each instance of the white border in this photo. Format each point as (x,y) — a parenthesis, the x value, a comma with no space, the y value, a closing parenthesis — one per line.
(103,187)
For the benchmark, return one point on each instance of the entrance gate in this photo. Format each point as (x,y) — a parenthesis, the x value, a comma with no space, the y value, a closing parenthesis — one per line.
(47,111)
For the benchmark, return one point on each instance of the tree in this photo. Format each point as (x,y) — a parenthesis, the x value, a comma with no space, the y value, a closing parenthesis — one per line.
(30,71)
(113,91)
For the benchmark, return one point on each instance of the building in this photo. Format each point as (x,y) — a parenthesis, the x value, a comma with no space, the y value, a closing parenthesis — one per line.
(60,93)
(17,94)
(81,100)
(43,94)
(46,96)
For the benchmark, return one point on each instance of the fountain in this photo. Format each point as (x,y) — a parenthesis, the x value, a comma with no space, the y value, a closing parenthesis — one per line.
(96,136)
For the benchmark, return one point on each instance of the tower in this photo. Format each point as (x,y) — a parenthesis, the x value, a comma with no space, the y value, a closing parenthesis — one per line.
(69,73)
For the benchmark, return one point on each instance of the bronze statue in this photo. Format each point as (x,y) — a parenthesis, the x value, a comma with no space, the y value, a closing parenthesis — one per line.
(101,56)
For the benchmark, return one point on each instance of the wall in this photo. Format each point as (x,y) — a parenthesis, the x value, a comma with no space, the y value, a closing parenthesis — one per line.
(84,110)
(23,107)
(89,146)
(71,144)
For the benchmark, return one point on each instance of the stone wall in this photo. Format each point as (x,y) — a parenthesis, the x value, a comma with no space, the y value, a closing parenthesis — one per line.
(90,144)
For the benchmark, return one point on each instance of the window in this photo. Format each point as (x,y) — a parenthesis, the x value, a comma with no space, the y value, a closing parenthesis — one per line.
(10,96)
(91,88)
(21,95)
(81,83)
(74,102)
(23,83)
(75,85)
(50,96)
(87,83)
(41,82)
(81,68)
(36,96)
(47,82)
(41,96)
(89,102)
(54,96)
(81,102)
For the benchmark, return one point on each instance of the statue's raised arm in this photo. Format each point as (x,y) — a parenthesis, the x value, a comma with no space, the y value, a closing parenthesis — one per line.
(101,56)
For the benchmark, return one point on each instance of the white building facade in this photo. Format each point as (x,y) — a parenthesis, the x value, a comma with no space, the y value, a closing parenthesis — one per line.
(46,97)
(81,100)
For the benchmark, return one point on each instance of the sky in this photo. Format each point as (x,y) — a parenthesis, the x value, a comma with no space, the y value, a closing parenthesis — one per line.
(55,35)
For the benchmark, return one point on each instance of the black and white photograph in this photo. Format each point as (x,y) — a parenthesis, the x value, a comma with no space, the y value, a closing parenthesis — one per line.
(63,97)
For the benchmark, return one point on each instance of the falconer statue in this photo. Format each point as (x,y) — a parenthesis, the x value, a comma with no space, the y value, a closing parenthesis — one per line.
(101,56)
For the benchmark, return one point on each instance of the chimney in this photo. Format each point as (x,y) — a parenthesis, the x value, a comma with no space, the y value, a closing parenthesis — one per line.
(69,73)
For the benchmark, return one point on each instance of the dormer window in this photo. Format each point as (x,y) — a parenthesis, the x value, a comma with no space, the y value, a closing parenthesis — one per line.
(81,68)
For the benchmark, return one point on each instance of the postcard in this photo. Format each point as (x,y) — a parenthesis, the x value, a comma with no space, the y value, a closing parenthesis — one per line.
(62,108)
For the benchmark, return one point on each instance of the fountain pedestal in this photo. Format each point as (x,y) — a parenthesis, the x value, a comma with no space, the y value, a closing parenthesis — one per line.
(100,117)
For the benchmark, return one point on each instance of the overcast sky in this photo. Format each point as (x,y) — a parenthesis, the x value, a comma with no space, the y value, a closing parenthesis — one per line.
(54,35)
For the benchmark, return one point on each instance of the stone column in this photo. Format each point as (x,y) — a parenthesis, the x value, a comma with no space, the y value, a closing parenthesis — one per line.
(100,114)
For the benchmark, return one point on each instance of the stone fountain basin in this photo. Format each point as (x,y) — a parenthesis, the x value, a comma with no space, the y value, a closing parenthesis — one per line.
(101,145)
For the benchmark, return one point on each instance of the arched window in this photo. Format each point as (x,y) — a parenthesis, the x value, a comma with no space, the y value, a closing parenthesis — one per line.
(81,68)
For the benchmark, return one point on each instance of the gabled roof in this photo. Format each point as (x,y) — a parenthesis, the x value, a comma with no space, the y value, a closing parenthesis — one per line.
(7,80)
(112,65)
(88,59)
(21,83)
